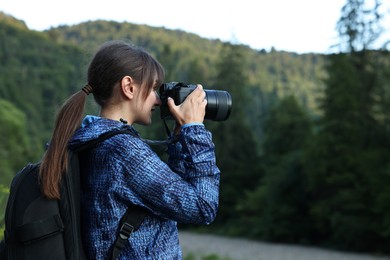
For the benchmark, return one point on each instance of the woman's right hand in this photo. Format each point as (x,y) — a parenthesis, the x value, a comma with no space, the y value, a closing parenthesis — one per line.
(193,108)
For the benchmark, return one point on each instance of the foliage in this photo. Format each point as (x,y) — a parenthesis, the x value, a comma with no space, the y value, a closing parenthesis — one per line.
(236,148)
(349,154)
(14,146)
(279,202)
(359,25)
(4,18)
(4,191)
(191,59)
(36,75)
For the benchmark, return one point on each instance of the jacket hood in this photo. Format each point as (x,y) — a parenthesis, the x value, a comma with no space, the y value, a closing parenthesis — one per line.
(93,126)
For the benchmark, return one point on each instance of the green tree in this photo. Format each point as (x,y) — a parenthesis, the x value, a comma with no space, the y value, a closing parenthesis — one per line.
(4,192)
(14,145)
(236,147)
(14,148)
(360,25)
(348,156)
(277,209)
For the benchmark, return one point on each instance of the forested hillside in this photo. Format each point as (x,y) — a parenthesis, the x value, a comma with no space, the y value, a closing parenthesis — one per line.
(39,69)
(36,75)
(190,58)
(304,154)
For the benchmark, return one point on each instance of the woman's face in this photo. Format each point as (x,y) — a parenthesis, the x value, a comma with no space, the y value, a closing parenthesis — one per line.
(147,107)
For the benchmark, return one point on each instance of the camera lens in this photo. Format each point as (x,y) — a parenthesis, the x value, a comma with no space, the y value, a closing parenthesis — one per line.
(219,105)
(219,102)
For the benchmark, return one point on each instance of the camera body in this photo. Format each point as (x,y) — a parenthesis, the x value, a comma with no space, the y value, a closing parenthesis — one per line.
(219,102)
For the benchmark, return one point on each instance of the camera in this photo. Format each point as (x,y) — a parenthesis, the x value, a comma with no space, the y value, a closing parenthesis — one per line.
(219,102)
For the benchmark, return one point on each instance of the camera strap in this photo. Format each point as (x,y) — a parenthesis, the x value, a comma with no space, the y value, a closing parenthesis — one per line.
(167,128)
(162,143)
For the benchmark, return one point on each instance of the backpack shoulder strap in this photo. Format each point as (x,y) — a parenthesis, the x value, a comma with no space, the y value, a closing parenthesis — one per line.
(88,145)
(130,222)
(134,216)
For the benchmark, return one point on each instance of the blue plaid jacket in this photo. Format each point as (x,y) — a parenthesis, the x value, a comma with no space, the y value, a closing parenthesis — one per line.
(124,170)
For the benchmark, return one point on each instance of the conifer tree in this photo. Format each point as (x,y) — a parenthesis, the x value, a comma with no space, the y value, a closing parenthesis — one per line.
(236,148)
(277,209)
(346,158)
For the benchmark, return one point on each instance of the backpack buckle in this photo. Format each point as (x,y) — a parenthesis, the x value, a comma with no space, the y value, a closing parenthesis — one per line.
(125,231)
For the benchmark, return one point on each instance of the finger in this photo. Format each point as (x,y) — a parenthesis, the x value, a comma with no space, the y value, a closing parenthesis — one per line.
(199,92)
(203,94)
(171,102)
(171,105)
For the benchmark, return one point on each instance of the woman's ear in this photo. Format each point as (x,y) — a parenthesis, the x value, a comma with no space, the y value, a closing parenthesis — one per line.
(128,87)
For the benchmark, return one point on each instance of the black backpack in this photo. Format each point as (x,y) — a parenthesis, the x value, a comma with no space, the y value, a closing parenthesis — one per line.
(37,228)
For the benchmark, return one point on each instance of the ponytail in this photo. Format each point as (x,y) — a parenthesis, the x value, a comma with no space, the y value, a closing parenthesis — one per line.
(55,160)
(113,61)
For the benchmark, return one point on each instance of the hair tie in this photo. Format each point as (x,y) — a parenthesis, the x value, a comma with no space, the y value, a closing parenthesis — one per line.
(87,89)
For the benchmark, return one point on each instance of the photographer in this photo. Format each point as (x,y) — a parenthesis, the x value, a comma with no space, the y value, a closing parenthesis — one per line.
(123,170)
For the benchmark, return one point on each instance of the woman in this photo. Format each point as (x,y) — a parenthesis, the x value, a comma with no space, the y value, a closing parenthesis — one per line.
(123,170)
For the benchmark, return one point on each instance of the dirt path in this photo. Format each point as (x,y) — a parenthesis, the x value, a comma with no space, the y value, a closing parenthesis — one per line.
(242,249)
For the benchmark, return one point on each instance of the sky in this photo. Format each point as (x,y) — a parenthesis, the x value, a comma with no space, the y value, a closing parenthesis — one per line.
(300,26)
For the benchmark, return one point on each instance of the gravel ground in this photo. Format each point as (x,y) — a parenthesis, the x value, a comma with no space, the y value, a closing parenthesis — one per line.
(241,249)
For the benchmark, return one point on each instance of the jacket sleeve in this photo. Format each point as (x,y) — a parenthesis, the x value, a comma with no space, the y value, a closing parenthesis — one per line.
(187,188)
